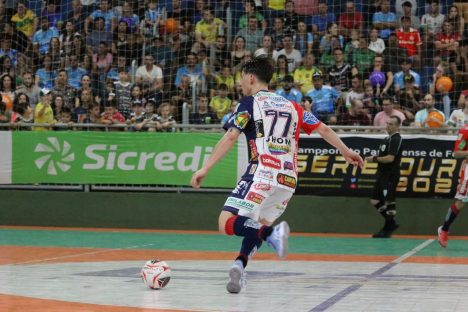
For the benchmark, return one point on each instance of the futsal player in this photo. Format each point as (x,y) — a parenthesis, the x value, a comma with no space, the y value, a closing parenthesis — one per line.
(271,125)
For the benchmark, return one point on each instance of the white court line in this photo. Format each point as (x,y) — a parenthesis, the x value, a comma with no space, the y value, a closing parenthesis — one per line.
(413,251)
(79,254)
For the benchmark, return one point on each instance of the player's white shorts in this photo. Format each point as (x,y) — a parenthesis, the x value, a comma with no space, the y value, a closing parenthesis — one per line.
(462,188)
(258,201)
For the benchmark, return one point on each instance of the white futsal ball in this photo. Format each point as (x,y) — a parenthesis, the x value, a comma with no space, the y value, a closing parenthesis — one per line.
(156,274)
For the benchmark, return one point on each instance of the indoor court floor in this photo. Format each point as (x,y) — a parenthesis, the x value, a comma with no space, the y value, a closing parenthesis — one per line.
(76,269)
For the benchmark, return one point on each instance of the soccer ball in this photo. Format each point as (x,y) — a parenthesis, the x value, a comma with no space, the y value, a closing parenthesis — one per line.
(156,274)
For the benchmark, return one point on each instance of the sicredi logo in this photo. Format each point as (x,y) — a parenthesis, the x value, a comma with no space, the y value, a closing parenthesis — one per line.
(55,157)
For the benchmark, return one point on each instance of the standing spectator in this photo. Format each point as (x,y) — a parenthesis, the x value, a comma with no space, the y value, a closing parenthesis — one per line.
(409,39)
(41,38)
(63,89)
(321,21)
(288,91)
(355,116)
(303,75)
(398,81)
(208,28)
(149,76)
(25,20)
(268,48)
(324,98)
(252,34)
(350,19)
(123,94)
(385,21)
(382,118)
(388,176)
(105,11)
(293,56)
(102,62)
(30,89)
(220,104)
(339,75)
(376,44)
(432,22)
(43,113)
(303,40)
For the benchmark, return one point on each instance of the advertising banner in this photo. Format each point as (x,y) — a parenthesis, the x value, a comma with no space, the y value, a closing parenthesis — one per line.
(118,158)
(427,167)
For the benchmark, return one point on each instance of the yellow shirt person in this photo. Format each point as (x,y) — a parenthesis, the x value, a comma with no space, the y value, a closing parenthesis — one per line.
(24,22)
(43,112)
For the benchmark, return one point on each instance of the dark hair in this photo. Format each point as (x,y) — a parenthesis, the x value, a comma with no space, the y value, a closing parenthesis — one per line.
(66,110)
(397,119)
(222,86)
(261,67)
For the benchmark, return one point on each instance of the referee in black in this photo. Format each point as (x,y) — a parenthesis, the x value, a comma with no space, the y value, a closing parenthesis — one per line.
(388,176)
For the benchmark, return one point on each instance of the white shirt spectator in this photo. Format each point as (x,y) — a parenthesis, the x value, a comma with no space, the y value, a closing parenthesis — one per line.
(154,73)
(294,58)
(377,46)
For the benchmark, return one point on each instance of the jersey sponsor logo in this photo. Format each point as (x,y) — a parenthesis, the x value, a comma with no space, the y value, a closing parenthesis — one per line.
(309,118)
(278,146)
(286,180)
(239,204)
(269,161)
(259,128)
(287,165)
(462,145)
(255,197)
(253,168)
(241,188)
(253,150)
(265,174)
(262,187)
(241,119)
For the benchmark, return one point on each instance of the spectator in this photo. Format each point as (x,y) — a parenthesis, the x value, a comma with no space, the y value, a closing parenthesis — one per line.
(432,22)
(41,38)
(123,93)
(97,35)
(190,69)
(290,17)
(303,75)
(441,70)
(182,94)
(166,121)
(208,28)
(220,104)
(288,91)
(252,34)
(380,66)
(459,117)
(398,81)
(77,17)
(63,89)
(94,117)
(422,118)
(456,19)
(381,118)
(66,38)
(447,44)
(25,20)
(249,7)
(152,19)
(355,116)
(45,76)
(6,50)
(321,21)
(225,77)
(409,39)
(340,74)
(393,54)
(57,104)
(350,19)
(203,115)
(408,11)
(24,111)
(111,115)
(83,105)
(121,66)
(326,41)
(303,40)
(281,71)
(149,76)
(19,40)
(8,87)
(324,98)
(43,113)
(408,99)
(356,92)
(352,45)
(219,54)
(75,72)
(79,49)
(64,119)
(106,13)
(31,90)
(238,50)
(6,66)
(138,118)
(277,33)
(293,56)
(363,57)
(54,16)
(268,48)
(376,44)
(385,21)
(102,62)
(231,112)
(56,55)
(123,41)
(161,52)
(131,19)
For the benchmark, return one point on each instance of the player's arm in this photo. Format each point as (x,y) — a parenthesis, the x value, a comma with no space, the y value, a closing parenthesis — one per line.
(331,137)
(221,149)
(460,146)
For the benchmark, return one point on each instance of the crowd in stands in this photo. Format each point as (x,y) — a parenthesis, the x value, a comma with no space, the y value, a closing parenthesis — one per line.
(349,62)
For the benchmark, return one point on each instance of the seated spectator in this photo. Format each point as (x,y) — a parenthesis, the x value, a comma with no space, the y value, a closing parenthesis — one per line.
(161,52)
(98,35)
(355,116)
(381,118)
(303,75)
(83,105)
(8,87)
(30,89)
(25,20)
(231,112)
(356,92)
(66,38)
(77,16)
(252,34)
(363,58)
(433,21)
(166,121)
(63,88)
(328,59)
(408,10)
(43,113)
(106,13)
(24,110)
(456,19)
(423,118)
(459,117)
(249,7)
(303,39)
(19,41)
(220,103)
(324,98)
(203,115)
(321,21)
(190,69)
(75,72)
(238,50)
(149,76)
(6,50)
(288,91)
(57,104)
(290,17)
(111,115)
(376,44)
(281,70)
(350,19)
(384,20)
(408,99)
(121,66)
(207,29)
(326,41)
(340,74)
(409,39)
(131,19)
(150,23)
(41,38)
(64,121)
(123,41)
(277,33)
(268,48)
(393,54)
(219,54)
(102,62)
(53,14)
(398,81)
(293,56)
(447,44)
(94,117)
(352,45)
(380,66)
(138,118)
(441,70)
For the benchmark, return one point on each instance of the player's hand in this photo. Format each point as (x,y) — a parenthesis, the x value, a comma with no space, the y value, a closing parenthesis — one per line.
(197,178)
(353,158)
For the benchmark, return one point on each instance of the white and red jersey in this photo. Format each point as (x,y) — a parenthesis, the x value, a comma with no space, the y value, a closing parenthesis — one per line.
(461,145)
(272,125)
(410,40)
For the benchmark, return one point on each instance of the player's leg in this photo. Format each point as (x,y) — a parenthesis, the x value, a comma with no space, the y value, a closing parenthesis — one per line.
(378,201)
(390,201)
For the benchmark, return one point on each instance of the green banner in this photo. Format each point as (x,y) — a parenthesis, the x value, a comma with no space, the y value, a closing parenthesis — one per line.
(118,158)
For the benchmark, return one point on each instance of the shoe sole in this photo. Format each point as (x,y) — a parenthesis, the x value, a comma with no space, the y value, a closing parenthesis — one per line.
(234,285)
(285,229)
(439,230)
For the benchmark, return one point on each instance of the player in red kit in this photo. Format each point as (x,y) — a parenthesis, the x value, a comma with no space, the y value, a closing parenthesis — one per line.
(461,197)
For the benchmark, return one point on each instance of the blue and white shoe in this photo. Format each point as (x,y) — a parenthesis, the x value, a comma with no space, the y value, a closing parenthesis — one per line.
(278,239)
(236,278)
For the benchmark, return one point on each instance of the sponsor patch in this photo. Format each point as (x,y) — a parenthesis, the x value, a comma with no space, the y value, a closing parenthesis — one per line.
(239,204)
(269,161)
(259,128)
(255,197)
(262,187)
(253,168)
(253,150)
(309,118)
(287,165)
(241,188)
(286,180)
(241,120)
(278,146)
(462,145)
(265,174)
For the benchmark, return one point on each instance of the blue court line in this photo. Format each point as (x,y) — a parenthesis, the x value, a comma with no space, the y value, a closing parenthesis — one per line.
(350,289)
